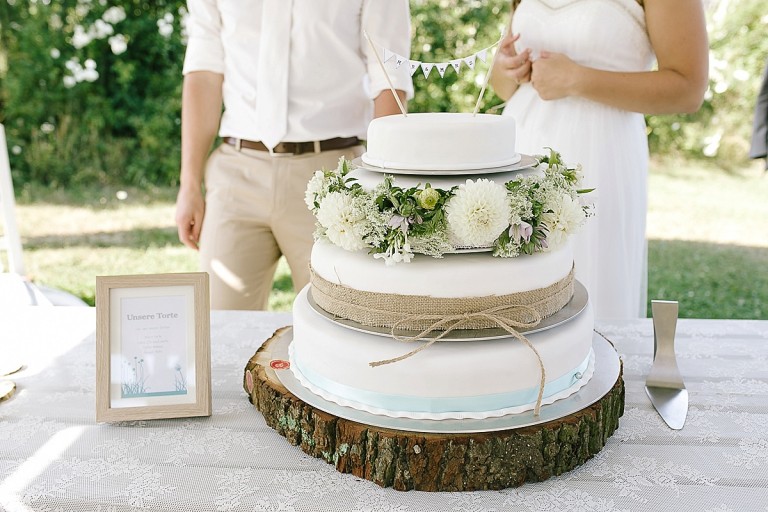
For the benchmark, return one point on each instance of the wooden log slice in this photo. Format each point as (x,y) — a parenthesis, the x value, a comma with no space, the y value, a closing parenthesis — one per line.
(433,462)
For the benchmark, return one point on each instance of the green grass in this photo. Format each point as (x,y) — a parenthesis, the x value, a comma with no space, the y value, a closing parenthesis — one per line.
(707,230)
(710,280)
(708,239)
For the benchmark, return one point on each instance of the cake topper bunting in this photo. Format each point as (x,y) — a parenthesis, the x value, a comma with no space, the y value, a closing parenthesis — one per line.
(397,60)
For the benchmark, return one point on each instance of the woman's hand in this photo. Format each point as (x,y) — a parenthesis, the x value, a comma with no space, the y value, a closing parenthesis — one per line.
(516,67)
(554,76)
(510,68)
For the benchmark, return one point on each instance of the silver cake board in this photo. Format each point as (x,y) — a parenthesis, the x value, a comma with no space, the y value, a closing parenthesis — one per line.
(606,373)
(525,162)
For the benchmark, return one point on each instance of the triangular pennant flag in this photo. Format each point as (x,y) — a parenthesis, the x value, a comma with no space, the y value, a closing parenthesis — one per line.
(388,54)
(414,65)
(470,61)
(482,54)
(456,63)
(426,67)
(441,67)
(399,60)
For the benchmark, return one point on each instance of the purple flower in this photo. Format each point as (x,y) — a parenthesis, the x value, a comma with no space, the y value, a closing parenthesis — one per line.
(521,230)
(399,222)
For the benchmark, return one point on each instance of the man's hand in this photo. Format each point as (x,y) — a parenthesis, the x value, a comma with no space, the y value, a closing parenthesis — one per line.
(190,210)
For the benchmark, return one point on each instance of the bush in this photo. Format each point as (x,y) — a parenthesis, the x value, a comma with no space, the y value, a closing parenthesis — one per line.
(91,93)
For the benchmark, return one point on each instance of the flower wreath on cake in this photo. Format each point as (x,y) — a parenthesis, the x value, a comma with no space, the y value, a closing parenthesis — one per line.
(523,216)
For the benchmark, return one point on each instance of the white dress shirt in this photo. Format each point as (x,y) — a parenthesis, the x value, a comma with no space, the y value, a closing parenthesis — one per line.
(333,74)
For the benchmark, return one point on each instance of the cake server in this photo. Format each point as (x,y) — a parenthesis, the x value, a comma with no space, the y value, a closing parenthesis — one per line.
(664,385)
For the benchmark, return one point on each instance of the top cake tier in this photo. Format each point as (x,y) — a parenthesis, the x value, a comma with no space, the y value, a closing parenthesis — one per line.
(441,141)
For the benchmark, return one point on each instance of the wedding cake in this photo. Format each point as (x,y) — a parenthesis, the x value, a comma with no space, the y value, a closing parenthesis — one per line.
(442,275)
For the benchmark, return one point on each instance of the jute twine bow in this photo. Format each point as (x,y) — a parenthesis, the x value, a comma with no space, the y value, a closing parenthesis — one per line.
(511,312)
(448,324)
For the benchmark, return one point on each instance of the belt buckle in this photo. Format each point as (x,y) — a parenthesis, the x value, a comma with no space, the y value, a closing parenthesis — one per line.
(283,154)
(275,154)
(301,148)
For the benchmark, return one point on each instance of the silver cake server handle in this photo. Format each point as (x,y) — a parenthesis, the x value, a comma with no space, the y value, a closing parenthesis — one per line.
(664,385)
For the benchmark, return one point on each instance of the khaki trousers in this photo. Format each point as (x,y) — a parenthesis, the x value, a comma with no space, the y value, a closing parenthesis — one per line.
(255,213)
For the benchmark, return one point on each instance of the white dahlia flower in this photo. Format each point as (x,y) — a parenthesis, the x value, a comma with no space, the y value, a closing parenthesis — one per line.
(344,223)
(566,218)
(478,213)
(315,187)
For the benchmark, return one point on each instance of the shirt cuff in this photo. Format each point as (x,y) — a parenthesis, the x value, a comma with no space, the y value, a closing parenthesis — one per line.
(204,55)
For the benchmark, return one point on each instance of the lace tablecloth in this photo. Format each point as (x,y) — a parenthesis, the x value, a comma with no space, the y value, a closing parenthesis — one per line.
(54,457)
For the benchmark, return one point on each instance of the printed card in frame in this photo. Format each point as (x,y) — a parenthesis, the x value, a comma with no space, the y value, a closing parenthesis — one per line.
(153,347)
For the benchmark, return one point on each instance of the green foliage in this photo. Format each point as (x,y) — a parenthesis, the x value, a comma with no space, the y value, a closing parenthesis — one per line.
(448,29)
(721,129)
(78,108)
(124,125)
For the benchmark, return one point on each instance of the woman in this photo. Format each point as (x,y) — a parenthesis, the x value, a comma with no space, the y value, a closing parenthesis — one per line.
(578,77)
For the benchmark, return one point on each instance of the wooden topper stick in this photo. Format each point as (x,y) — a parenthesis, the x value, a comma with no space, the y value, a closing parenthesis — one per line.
(391,87)
(488,74)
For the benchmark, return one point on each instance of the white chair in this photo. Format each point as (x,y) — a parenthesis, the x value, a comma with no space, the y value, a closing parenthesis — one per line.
(15,288)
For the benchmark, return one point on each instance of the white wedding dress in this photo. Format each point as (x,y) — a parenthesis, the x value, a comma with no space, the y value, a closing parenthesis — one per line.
(609,143)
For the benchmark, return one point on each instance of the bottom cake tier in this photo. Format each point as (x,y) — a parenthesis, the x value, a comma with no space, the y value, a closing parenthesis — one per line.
(449,380)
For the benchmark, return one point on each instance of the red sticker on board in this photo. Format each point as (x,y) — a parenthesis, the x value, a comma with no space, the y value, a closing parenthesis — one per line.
(249,381)
(279,364)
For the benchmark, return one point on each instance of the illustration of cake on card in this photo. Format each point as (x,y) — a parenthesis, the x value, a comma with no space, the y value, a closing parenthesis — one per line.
(443,329)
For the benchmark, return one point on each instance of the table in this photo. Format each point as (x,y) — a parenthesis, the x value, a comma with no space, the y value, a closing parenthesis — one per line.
(54,457)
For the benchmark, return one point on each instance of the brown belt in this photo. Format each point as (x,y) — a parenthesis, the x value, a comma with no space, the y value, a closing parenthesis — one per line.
(296,148)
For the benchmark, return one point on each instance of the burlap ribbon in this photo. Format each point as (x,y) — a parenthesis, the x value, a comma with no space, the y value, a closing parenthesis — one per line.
(510,312)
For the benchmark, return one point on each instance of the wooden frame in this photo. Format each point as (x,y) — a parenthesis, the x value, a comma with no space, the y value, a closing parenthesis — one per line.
(153,351)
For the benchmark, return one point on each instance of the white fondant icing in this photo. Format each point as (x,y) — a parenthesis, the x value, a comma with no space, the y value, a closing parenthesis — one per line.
(446,369)
(453,141)
(454,275)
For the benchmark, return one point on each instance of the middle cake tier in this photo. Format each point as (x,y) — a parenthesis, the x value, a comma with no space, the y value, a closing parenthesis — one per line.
(448,380)
(354,286)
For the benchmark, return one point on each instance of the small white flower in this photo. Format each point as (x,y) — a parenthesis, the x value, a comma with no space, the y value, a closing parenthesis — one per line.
(344,223)
(114,15)
(118,44)
(69,81)
(478,213)
(102,29)
(80,38)
(90,75)
(396,254)
(164,28)
(55,53)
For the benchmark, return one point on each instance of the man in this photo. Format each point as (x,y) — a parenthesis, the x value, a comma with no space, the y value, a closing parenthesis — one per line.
(759,147)
(299,82)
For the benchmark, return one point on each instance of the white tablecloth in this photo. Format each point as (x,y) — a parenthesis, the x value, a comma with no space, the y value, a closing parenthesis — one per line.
(54,457)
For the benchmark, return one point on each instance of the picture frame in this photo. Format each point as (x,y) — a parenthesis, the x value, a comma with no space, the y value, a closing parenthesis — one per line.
(153,353)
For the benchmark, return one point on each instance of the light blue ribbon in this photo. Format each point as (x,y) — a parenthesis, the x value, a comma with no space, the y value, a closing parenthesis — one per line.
(492,402)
